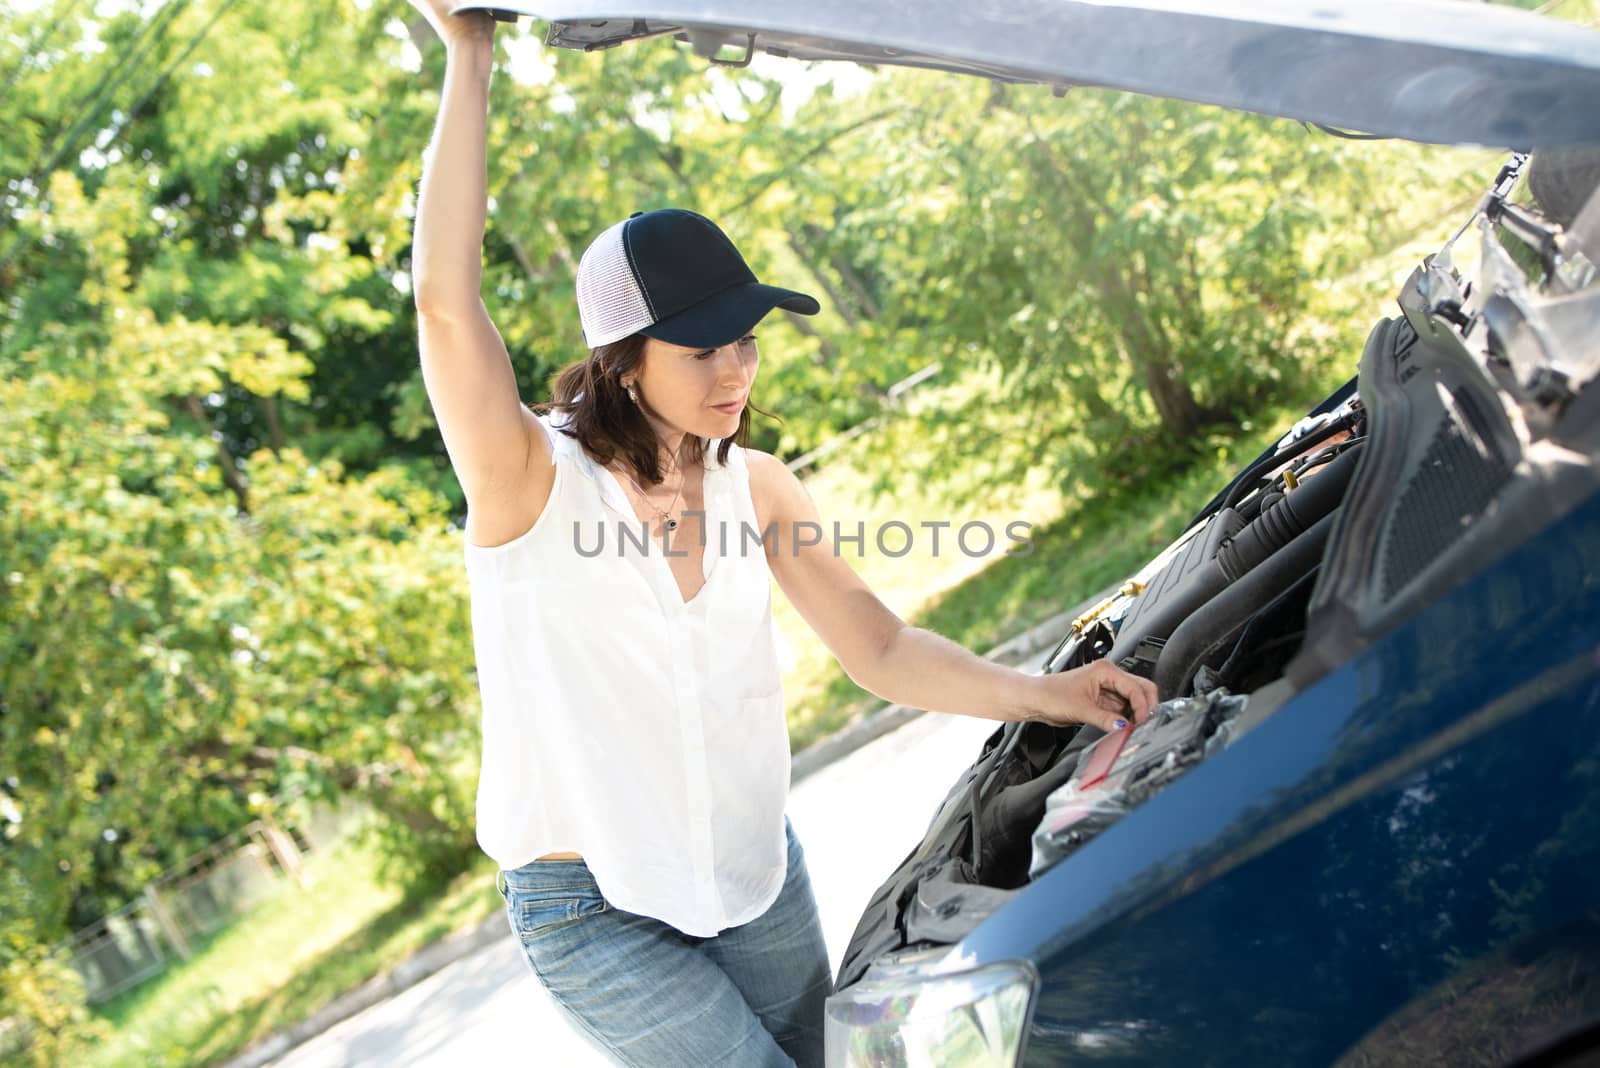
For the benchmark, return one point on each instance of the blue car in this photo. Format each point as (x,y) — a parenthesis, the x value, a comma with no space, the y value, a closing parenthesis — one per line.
(1363,826)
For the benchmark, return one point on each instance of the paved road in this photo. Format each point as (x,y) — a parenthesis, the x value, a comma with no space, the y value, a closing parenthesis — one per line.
(857,819)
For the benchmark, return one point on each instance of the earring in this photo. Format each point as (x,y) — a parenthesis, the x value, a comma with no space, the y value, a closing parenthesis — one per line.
(633,394)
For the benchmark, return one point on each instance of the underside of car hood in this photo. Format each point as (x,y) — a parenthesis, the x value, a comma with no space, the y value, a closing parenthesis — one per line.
(1441,71)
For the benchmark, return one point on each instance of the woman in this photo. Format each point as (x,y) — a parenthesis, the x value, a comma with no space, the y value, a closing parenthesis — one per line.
(635,760)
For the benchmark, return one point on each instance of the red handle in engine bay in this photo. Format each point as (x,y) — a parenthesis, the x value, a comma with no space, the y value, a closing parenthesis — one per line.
(1103,755)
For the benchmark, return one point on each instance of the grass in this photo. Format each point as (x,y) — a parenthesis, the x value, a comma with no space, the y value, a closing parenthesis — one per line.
(294,954)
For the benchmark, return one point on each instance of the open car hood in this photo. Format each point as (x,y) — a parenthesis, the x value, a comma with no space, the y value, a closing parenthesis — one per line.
(1444,71)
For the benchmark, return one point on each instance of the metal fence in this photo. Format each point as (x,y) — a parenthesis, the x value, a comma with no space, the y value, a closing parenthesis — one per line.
(891,401)
(197,898)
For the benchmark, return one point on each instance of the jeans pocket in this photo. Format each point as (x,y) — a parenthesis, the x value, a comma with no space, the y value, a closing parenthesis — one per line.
(535,913)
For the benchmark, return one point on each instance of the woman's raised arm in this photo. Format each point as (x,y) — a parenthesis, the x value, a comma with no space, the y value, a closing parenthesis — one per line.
(499,453)
(909,665)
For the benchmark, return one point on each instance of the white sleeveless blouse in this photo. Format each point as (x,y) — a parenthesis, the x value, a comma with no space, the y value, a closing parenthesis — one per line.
(619,722)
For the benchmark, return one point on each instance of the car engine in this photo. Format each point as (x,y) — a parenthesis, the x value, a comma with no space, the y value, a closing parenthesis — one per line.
(1470,424)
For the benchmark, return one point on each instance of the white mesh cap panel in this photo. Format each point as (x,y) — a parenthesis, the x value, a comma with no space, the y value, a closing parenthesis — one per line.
(611,305)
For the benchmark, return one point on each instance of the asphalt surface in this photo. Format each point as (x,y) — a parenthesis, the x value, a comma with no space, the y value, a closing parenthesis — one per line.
(857,818)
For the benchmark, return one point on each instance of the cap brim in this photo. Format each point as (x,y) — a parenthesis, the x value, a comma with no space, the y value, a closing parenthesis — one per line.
(728,315)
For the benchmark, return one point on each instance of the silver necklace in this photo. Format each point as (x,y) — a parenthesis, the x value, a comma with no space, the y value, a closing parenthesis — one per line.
(665,515)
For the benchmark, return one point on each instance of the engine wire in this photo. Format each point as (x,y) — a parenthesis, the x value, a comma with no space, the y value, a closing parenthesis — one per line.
(1247,479)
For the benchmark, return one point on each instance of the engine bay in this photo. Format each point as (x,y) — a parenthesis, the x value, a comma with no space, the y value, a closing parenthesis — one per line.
(1443,450)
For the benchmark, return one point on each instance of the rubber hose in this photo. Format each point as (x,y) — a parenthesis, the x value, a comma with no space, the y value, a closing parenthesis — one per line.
(1263,536)
(1220,618)
(1287,518)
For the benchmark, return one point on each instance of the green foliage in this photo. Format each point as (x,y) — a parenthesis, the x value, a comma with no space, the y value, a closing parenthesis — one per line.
(204,606)
(1135,269)
(42,1006)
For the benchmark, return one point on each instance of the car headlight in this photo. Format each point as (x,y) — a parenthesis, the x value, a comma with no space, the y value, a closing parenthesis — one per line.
(974,1018)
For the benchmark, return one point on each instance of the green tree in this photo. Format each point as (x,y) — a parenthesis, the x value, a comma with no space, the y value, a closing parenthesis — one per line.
(176,514)
(1129,275)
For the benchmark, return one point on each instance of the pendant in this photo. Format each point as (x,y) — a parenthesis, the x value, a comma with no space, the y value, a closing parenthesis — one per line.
(671,524)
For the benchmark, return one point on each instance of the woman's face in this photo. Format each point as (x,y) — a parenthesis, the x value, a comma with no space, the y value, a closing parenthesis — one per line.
(697,391)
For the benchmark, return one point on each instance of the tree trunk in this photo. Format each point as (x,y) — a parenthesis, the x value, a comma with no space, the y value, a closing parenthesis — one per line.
(852,278)
(269,409)
(523,260)
(826,353)
(1143,342)
(840,305)
(1173,398)
(858,287)
(1150,352)
(230,470)
(563,250)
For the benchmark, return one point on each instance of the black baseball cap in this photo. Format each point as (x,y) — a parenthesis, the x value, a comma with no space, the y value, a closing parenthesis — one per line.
(673,275)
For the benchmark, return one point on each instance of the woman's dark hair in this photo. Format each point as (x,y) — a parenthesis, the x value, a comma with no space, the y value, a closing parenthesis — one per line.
(607,424)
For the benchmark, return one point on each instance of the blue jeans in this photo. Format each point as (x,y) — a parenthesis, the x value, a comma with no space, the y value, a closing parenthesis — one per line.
(652,996)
